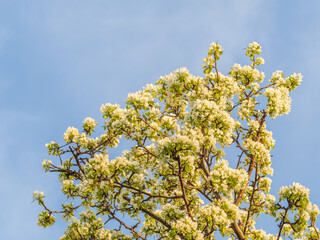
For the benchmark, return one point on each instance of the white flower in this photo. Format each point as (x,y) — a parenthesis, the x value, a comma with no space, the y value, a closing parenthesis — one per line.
(37,195)
(89,124)
(71,135)
(46,164)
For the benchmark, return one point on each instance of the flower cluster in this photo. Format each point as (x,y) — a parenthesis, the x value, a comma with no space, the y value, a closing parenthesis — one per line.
(299,224)
(225,179)
(38,196)
(214,53)
(89,124)
(279,102)
(46,165)
(46,219)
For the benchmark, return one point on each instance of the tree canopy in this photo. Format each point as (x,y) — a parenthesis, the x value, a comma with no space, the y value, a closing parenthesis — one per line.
(176,181)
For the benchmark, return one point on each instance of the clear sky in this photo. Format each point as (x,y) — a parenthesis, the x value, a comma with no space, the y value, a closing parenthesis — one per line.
(60,60)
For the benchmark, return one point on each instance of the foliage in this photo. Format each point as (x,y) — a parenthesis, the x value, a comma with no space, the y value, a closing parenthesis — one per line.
(174,182)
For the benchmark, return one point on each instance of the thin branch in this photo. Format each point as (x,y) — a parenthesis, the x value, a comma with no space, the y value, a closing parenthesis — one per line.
(183,189)
(156,217)
(77,160)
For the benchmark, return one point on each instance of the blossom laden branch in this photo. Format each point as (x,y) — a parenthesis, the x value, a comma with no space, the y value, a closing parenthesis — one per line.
(175,180)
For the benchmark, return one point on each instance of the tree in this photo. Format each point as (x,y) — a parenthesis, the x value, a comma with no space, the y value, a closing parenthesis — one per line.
(174,182)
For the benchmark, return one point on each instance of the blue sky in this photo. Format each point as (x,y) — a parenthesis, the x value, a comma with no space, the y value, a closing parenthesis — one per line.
(60,60)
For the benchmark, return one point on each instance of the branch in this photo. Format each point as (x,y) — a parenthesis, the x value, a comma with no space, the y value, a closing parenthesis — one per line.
(253,158)
(133,231)
(237,230)
(282,222)
(156,217)
(183,189)
(77,160)
(251,199)
(146,193)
